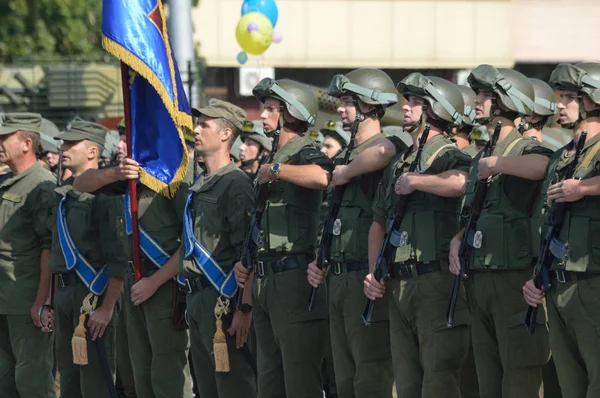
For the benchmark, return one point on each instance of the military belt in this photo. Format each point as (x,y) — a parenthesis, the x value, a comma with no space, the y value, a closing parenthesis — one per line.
(285,264)
(65,280)
(197,283)
(562,276)
(337,267)
(409,271)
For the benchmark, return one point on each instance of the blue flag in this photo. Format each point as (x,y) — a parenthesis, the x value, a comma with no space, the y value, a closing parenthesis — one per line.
(135,32)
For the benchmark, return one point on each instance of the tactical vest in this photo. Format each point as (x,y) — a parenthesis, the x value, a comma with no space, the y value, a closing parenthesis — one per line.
(504,233)
(581,225)
(430,221)
(289,224)
(351,228)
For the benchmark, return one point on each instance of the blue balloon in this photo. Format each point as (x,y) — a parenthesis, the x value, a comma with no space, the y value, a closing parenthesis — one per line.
(266,7)
(242,57)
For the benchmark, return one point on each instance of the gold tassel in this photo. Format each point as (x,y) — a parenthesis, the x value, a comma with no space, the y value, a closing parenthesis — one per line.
(220,349)
(79,343)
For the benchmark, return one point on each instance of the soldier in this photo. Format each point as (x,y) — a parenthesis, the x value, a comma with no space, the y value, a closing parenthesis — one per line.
(572,303)
(509,361)
(463,132)
(426,355)
(255,145)
(291,340)
(336,138)
(28,199)
(154,305)
(90,262)
(215,225)
(362,359)
(544,109)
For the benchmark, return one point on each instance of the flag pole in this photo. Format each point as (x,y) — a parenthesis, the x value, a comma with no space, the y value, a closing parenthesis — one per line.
(135,230)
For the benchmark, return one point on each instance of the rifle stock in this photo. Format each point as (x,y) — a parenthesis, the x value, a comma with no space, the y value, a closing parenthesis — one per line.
(472,214)
(261,194)
(541,272)
(391,238)
(324,256)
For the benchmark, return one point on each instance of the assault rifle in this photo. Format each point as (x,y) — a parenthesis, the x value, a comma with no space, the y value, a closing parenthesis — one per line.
(471,213)
(391,240)
(541,273)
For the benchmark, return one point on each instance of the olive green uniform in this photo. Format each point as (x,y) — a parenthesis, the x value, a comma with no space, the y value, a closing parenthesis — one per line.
(95,223)
(158,352)
(361,355)
(426,354)
(573,316)
(509,360)
(26,206)
(220,207)
(291,339)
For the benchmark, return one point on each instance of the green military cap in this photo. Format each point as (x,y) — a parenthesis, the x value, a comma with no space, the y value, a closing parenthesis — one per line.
(222,109)
(480,135)
(336,131)
(79,130)
(254,131)
(13,122)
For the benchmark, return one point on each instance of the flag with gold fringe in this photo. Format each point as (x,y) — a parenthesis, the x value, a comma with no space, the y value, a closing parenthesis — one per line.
(135,32)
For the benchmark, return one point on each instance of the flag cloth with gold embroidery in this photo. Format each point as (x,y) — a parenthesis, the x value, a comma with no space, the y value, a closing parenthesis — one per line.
(135,32)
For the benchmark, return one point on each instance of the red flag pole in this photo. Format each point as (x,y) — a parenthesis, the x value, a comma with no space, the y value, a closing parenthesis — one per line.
(135,231)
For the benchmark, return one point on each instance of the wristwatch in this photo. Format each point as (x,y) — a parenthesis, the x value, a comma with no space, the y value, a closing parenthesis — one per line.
(245,308)
(275,169)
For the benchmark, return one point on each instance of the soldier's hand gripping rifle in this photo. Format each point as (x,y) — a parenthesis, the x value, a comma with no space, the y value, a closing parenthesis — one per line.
(541,272)
(391,240)
(324,254)
(471,213)
(261,194)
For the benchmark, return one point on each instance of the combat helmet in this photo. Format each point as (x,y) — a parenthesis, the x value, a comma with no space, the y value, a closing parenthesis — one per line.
(298,99)
(336,131)
(583,78)
(468,98)
(511,91)
(254,130)
(442,97)
(544,103)
(371,86)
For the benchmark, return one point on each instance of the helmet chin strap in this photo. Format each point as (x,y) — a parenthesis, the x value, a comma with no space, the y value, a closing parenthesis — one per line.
(412,126)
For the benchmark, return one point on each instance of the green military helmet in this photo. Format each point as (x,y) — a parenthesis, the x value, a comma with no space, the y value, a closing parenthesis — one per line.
(583,77)
(299,99)
(469,99)
(398,131)
(111,148)
(121,127)
(253,129)
(371,86)
(511,89)
(316,136)
(234,152)
(545,102)
(443,97)
(336,131)
(480,135)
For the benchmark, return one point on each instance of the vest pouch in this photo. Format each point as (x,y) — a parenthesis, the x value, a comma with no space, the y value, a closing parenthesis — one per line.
(491,253)
(407,239)
(580,242)
(425,240)
(351,244)
(518,244)
(276,227)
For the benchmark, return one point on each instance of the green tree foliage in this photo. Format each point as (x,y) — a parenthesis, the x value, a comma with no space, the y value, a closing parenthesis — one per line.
(45,29)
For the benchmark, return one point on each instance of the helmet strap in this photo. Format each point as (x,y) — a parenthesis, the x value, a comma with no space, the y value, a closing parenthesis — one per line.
(412,126)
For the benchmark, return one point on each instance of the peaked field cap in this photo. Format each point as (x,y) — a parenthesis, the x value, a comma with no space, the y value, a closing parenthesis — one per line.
(222,109)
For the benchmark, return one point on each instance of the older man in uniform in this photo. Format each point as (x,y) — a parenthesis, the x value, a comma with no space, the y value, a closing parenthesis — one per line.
(26,206)
(509,361)
(572,302)
(90,262)
(291,339)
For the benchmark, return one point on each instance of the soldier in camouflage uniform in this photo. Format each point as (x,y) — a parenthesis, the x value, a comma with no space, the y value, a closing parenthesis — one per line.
(426,354)
(26,206)
(573,300)
(509,361)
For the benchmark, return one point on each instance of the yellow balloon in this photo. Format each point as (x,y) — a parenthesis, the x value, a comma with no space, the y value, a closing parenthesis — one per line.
(254,33)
